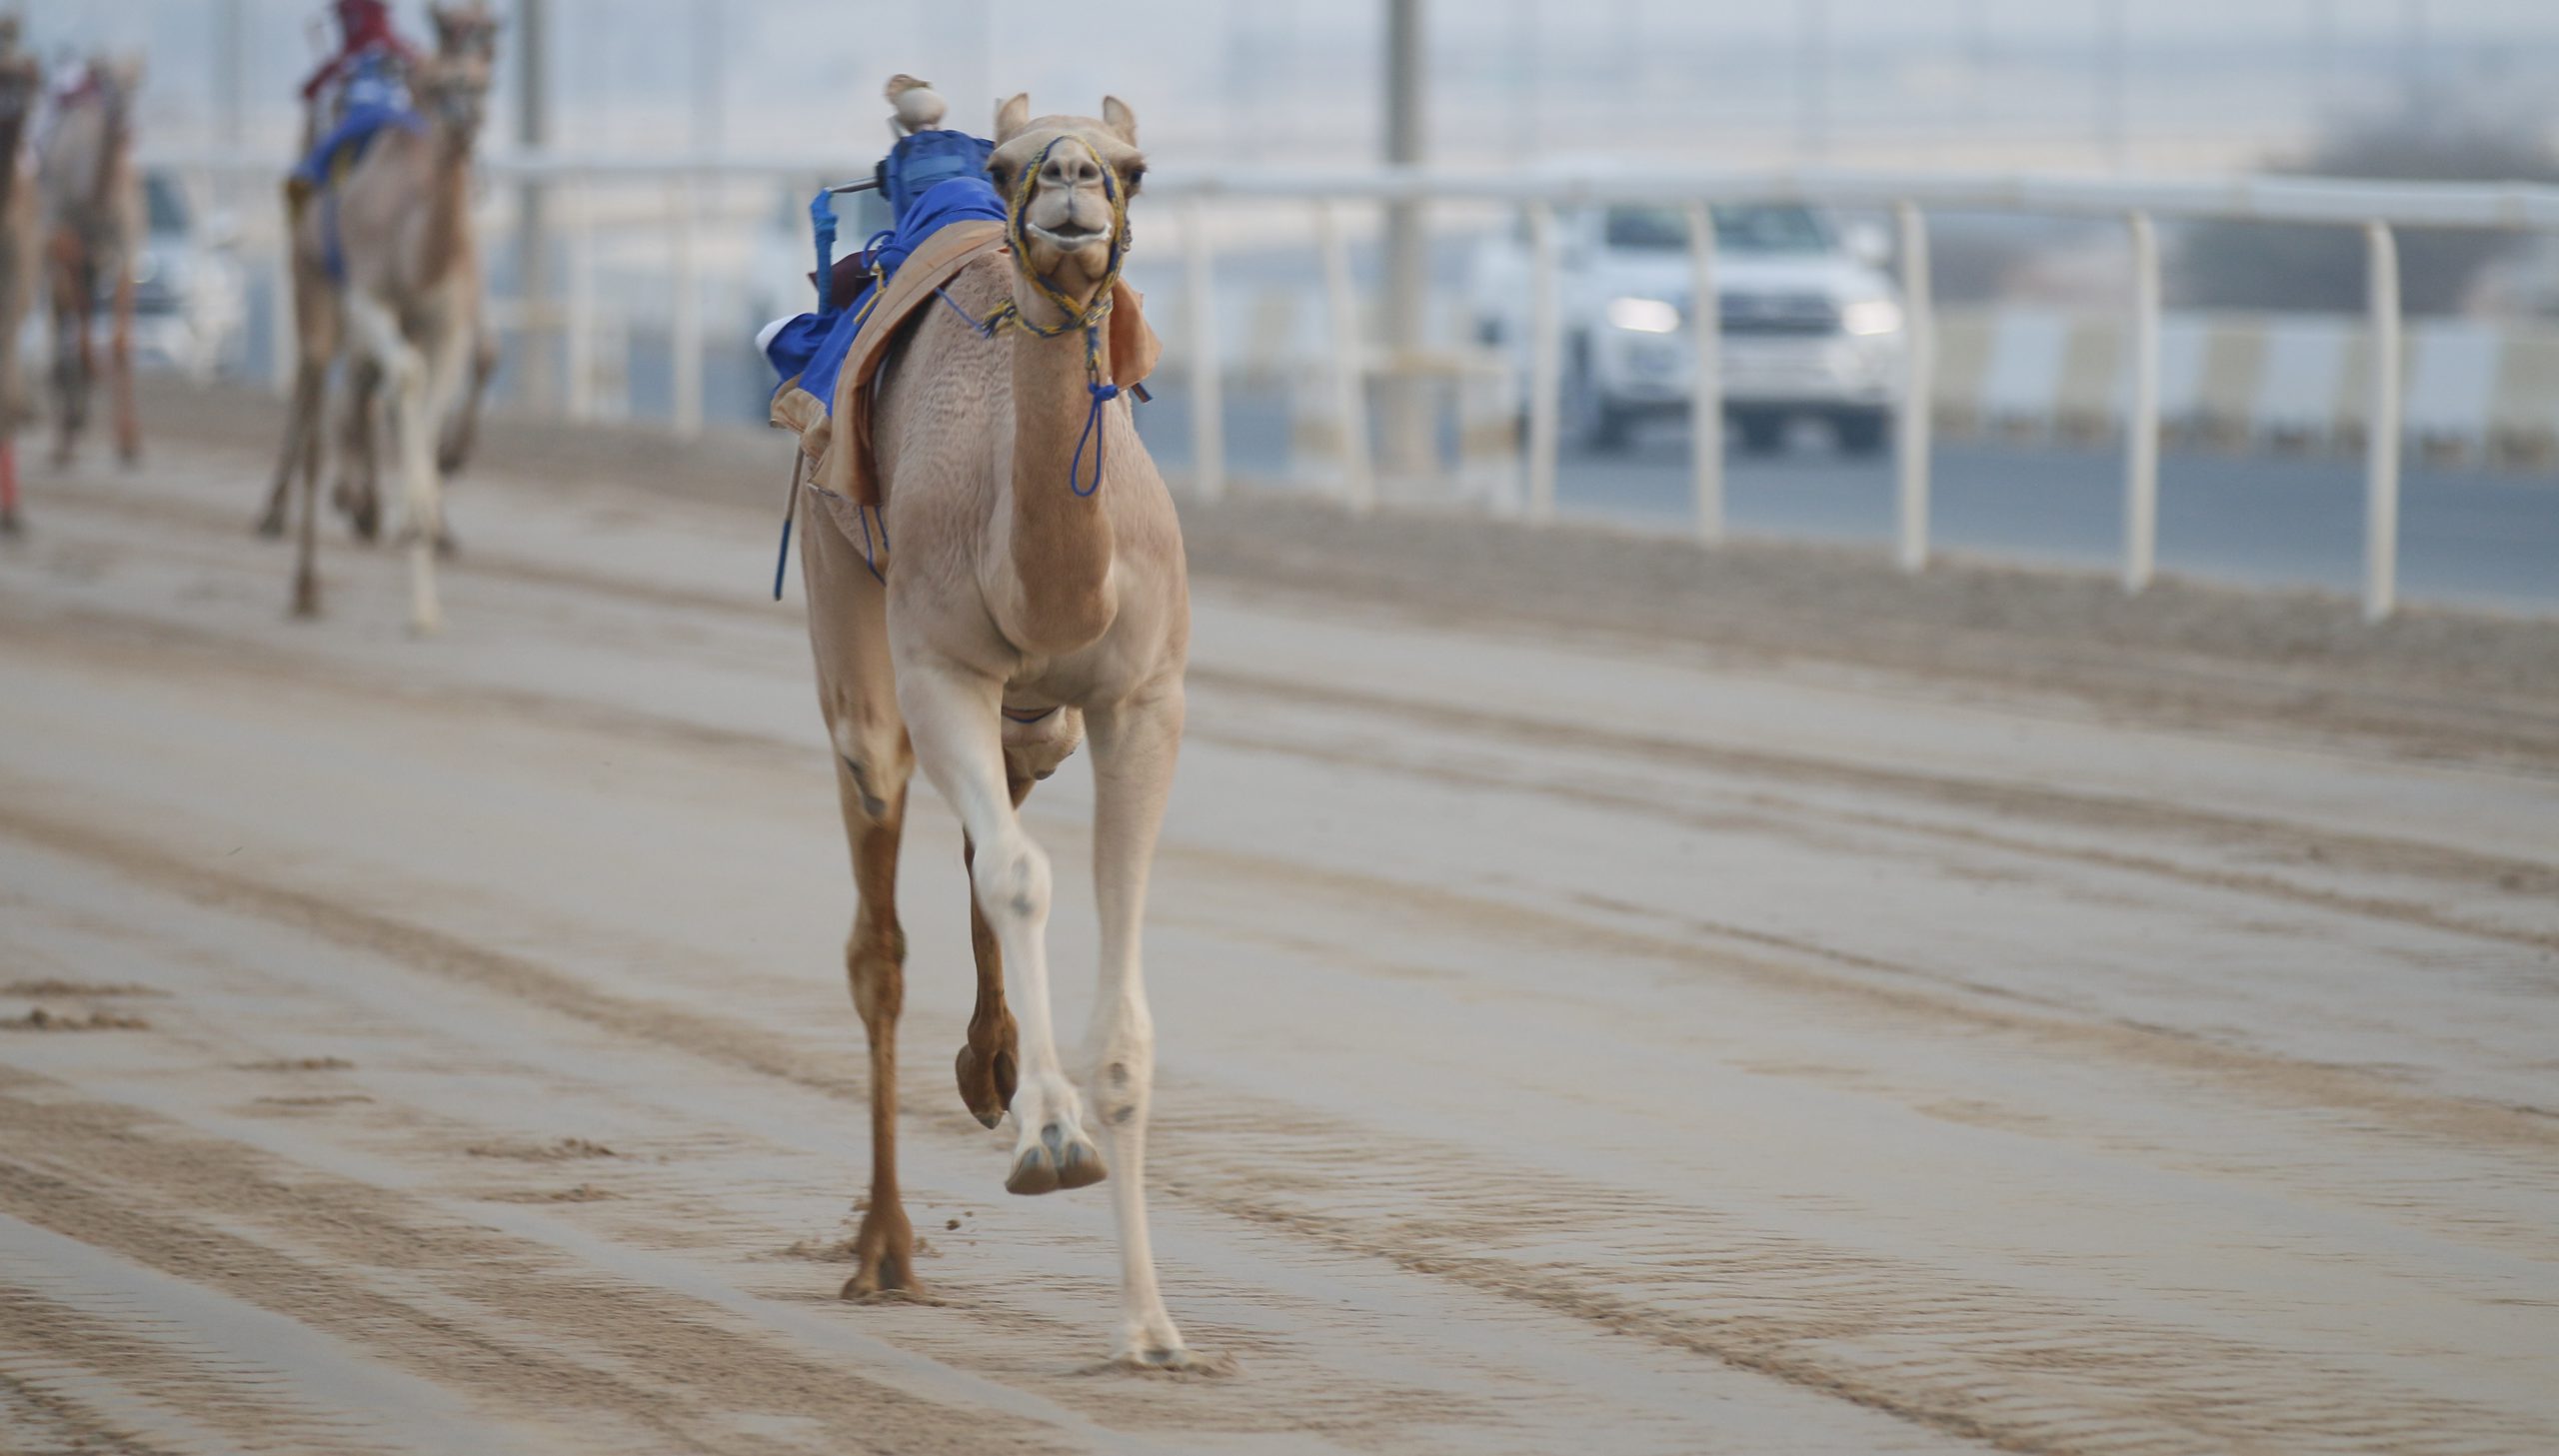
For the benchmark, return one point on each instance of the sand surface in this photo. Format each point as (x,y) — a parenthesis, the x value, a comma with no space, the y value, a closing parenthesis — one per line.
(1899,1019)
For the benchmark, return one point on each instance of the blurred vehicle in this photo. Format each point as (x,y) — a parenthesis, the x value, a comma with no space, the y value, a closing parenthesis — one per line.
(190,295)
(1812,327)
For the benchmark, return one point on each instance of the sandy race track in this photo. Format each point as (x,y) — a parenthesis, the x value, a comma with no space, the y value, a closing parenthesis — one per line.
(1574,1041)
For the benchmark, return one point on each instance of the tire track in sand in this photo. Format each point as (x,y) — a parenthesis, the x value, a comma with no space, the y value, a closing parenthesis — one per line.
(459,1305)
(2001,1365)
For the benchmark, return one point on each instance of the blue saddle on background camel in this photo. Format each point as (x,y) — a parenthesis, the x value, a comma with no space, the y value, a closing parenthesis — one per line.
(375,98)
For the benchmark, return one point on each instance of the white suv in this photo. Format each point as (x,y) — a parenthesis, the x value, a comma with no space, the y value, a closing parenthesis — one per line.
(1811,326)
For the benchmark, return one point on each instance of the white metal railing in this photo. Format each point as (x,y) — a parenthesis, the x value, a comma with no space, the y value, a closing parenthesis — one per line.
(2376,209)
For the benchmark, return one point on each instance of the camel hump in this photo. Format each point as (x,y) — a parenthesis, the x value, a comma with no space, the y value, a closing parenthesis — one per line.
(919,106)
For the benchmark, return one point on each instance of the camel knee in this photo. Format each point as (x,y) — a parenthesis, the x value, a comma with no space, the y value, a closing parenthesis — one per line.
(1012,881)
(876,764)
(874,961)
(1124,1072)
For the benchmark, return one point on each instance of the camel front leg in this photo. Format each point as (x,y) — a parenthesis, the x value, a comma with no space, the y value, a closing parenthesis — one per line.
(358,491)
(952,716)
(406,376)
(989,1061)
(120,368)
(1135,745)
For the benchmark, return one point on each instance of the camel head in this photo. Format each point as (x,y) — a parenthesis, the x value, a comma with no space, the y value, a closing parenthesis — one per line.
(454,93)
(466,29)
(1075,166)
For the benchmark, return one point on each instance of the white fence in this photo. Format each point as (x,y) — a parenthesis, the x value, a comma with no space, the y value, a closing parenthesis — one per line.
(2290,368)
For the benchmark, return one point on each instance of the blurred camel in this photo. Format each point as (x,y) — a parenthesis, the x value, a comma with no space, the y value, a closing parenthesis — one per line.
(21,81)
(92,220)
(388,267)
(466,32)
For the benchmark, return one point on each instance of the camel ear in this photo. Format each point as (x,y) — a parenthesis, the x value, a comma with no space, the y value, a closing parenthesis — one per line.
(1121,121)
(1012,117)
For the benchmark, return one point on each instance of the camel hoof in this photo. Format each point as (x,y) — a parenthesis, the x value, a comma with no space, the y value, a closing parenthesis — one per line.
(446,547)
(10,528)
(890,1283)
(1165,1360)
(986,1082)
(1062,1159)
(306,603)
(268,526)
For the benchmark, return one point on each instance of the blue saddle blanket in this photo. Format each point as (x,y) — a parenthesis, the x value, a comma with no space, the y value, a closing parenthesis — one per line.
(813,346)
(357,127)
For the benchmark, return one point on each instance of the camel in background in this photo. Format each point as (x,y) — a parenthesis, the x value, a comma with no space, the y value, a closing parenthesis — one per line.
(92,221)
(408,306)
(21,81)
(467,33)
(1024,608)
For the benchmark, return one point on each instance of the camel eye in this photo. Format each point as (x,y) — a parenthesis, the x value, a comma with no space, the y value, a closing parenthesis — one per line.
(1135,177)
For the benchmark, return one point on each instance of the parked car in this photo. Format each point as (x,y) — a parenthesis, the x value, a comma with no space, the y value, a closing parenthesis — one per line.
(190,296)
(1811,325)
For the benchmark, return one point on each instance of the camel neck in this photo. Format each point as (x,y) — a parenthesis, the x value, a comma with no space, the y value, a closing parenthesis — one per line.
(1061,542)
(448,204)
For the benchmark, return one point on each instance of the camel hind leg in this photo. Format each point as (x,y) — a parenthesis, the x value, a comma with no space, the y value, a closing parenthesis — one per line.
(464,432)
(848,633)
(874,964)
(71,292)
(310,386)
(316,327)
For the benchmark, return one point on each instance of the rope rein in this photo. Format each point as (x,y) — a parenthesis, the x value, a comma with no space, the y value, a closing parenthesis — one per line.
(1090,315)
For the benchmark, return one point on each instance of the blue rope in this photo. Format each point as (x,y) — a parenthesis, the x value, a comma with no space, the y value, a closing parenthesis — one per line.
(822,222)
(985,326)
(867,559)
(1102,394)
(781,557)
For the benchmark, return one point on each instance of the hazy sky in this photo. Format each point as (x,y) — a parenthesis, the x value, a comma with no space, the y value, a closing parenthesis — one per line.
(1274,78)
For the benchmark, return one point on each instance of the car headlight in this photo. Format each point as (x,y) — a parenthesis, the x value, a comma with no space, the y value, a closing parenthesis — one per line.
(1872,315)
(1643,315)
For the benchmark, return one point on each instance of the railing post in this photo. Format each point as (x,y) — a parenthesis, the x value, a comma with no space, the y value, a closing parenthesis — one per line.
(1208,403)
(1705,383)
(578,324)
(2141,421)
(1349,366)
(685,345)
(1919,389)
(1545,361)
(2381,439)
